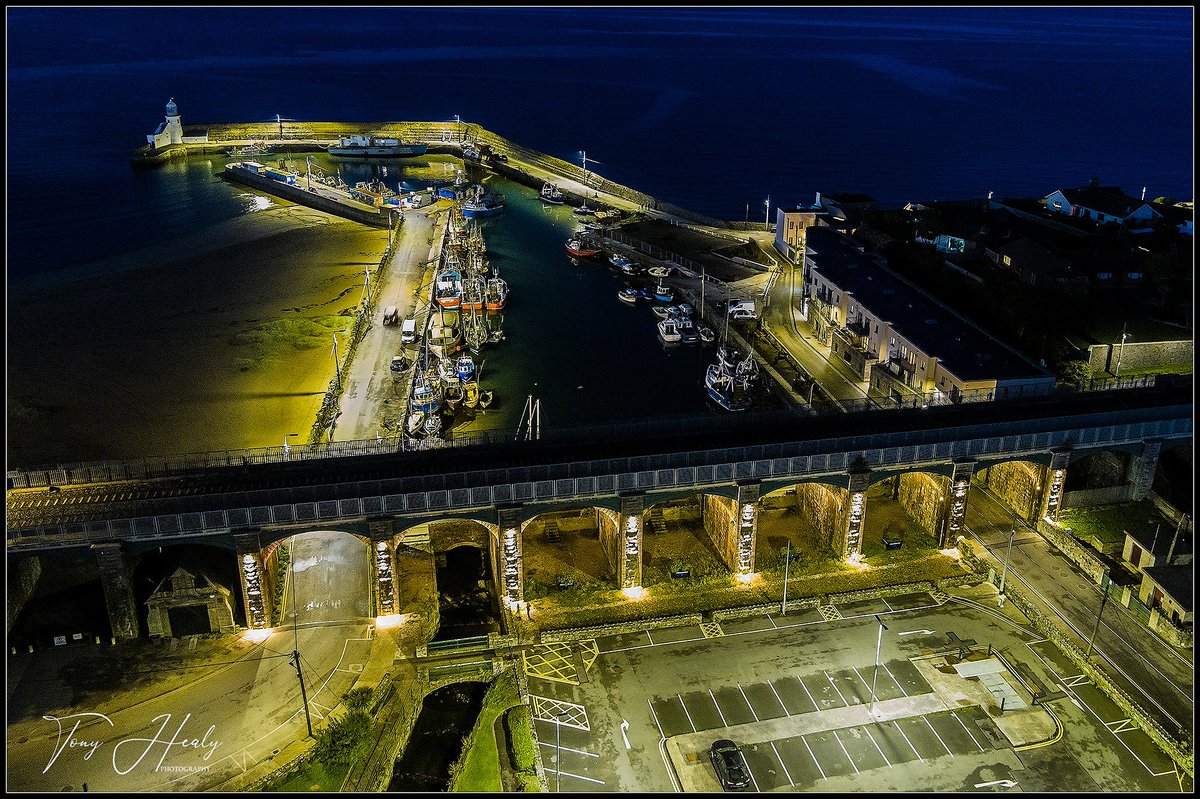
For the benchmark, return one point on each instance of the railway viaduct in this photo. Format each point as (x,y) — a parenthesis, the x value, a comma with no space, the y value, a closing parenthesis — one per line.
(486,494)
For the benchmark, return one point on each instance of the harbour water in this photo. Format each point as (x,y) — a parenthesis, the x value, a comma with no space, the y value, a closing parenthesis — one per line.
(163,310)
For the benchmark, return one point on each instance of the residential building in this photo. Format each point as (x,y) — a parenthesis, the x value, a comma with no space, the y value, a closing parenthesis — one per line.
(901,341)
(1168,589)
(1102,204)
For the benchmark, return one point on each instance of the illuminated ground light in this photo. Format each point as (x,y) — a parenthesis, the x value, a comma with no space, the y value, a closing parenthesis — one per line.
(855,561)
(951,553)
(634,592)
(391,620)
(255,636)
(747,578)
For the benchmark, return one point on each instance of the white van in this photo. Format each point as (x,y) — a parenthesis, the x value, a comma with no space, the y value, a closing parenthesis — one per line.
(390,315)
(746,307)
(408,331)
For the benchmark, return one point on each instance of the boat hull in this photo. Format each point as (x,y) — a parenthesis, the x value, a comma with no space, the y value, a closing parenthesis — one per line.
(404,151)
(481,211)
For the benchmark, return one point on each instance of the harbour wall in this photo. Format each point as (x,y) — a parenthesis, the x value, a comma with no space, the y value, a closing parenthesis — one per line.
(375,217)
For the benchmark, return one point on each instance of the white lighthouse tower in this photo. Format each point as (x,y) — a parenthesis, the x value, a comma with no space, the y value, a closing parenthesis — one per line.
(169,131)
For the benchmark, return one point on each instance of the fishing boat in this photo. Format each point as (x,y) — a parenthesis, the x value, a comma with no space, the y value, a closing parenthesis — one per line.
(446,371)
(687,331)
(485,398)
(432,426)
(465,368)
(474,293)
(481,203)
(664,293)
(475,332)
(658,271)
(359,146)
(258,148)
(628,294)
(724,389)
(706,333)
(685,309)
(645,294)
(619,261)
(470,152)
(661,311)
(447,291)
(582,248)
(444,339)
(551,194)
(426,395)
(471,394)
(497,294)
(668,331)
(453,395)
(747,368)
(456,190)
(414,423)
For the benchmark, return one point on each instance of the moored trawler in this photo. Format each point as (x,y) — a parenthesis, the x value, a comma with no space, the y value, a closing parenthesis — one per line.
(358,146)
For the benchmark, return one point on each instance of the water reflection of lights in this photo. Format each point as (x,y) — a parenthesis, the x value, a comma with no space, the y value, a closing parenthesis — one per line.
(256,202)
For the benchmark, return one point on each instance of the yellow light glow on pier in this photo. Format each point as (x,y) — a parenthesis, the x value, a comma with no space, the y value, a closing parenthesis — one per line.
(391,620)
(259,635)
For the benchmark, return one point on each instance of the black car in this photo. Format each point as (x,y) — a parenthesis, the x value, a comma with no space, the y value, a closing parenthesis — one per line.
(730,765)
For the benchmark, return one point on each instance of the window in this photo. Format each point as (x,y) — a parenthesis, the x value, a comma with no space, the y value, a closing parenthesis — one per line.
(1134,276)
(1008,260)
(1104,275)
(893,342)
(877,330)
(922,366)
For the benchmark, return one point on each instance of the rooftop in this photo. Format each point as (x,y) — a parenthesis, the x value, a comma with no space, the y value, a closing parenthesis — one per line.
(965,350)
(1176,581)
(1160,544)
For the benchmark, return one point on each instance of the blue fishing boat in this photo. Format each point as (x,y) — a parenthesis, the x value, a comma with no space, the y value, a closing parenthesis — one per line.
(480,203)
(629,295)
(465,368)
(664,293)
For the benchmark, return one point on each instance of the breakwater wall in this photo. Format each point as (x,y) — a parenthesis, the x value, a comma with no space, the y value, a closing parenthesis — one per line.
(375,217)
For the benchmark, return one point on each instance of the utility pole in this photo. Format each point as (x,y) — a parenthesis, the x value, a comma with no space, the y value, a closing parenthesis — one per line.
(1004,571)
(787,562)
(878,647)
(1103,599)
(295,660)
(1121,349)
(337,366)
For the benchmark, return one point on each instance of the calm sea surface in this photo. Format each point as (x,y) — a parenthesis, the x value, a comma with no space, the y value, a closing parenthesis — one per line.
(713,109)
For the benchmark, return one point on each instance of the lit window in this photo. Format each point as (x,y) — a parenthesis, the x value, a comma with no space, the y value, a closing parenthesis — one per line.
(1008,260)
(1134,276)
(1104,275)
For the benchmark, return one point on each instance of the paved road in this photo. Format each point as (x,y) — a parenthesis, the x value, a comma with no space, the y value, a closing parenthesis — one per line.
(1157,675)
(237,714)
(372,395)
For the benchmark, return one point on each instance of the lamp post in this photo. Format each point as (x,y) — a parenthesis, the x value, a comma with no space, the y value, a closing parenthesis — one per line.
(878,647)
(1096,629)
(1121,349)
(337,366)
(767,215)
(1004,571)
(287,451)
(787,562)
(558,748)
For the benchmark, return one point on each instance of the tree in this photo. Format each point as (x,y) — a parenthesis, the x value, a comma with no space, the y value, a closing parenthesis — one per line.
(345,740)
(1077,374)
(358,699)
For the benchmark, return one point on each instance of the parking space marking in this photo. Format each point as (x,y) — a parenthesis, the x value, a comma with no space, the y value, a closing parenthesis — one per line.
(650,638)
(935,732)
(781,704)
(573,776)
(685,712)
(893,676)
(1121,725)
(864,680)
(867,730)
(655,717)
(839,693)
(781,763)
(839,740)
(568,749)
(968,729)
(546,709)
(814,757)
(743,693)
(889,607)
(724,723)
(810,696)
(910,743)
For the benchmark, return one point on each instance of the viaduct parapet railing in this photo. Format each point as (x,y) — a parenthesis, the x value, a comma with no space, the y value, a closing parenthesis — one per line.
(551,482)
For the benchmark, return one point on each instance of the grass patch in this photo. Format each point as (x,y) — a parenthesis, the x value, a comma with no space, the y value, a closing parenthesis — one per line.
(479,768)
(292,333)
(1108,523)
(312,776)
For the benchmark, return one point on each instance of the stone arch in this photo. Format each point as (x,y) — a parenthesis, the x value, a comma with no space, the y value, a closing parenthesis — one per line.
(682,532)
(1093,469)
(569,546)
(906,508)
(809,514)
(169,604)
(1019,483)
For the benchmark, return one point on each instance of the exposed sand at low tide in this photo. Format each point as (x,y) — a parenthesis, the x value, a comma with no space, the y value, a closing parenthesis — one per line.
(220,340)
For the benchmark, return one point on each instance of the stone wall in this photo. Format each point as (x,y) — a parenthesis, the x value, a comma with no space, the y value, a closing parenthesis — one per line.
(1146,355)
(1073,549)
(823,505)
(720,522)
(922,496)
(22,579)
(1016,482)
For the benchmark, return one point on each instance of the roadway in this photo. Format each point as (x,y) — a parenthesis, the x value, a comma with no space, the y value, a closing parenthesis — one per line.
(238,714)
(1158,676)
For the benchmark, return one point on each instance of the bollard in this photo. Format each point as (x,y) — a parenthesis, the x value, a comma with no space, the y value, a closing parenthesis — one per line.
(113,641)
(1002,701)
(31,649)
(97,639)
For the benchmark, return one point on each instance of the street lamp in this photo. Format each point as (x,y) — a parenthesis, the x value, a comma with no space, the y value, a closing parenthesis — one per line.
(878,647)
(787,562)
(558,748)
(1004,571)
(287,451)
(1121,349)
(1103,599)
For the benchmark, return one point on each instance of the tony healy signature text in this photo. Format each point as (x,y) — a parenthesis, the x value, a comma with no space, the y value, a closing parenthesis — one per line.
(129,752)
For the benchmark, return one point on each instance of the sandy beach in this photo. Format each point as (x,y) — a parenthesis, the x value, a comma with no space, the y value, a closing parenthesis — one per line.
(220,341)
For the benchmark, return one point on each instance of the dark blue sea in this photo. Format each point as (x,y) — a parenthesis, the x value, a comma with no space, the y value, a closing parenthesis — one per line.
(713,109)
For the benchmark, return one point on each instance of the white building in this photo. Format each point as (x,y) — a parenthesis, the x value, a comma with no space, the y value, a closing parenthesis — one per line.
(170,131)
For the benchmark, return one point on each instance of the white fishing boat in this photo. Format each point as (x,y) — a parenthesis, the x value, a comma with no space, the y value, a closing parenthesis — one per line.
(552,194)
(668,331)
(658,271)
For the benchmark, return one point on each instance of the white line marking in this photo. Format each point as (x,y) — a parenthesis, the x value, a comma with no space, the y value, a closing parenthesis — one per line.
(810,696)
(655,715)
(685,712)
(814,757)
(910,744)
(777,699)
(568,749)
(839,740)
(747,700)
(864,680)
(935,732)
(785,769)
(968,729)
(649,638)
(893,676)
(867,730)
(839,693)
(889,606)
(575,776)
(773,624)
(724,723)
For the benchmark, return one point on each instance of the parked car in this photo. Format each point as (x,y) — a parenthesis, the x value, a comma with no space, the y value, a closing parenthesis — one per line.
(398,363)
(741,314)
(730,765)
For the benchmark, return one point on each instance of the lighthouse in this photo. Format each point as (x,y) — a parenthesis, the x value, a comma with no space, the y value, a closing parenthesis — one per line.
(169,131)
